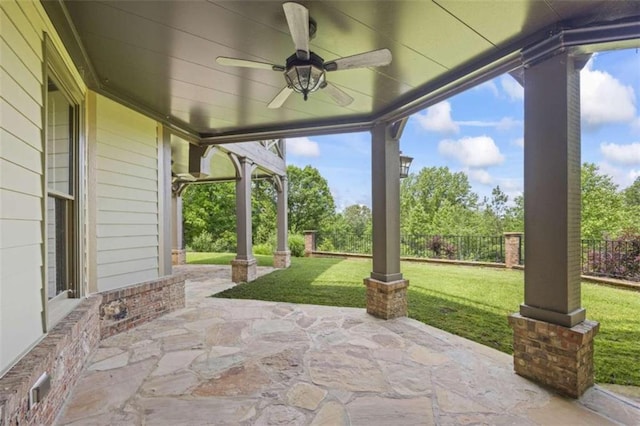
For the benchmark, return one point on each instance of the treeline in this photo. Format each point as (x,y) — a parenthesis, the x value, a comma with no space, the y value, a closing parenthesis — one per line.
(209,217)
(434,201)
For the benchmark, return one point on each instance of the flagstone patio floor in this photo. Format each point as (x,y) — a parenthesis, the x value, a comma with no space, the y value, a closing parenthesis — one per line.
(237,362)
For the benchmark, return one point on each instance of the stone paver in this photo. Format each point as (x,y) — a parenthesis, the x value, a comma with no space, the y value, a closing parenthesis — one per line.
(221,361)
(306,396)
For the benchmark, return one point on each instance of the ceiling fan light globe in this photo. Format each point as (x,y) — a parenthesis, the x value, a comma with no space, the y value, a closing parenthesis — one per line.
(305,78)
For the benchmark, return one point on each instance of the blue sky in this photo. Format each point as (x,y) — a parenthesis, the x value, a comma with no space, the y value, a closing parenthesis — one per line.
(480,132)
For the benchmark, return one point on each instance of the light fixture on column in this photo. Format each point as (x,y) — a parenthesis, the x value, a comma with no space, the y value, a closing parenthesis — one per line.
(405,163)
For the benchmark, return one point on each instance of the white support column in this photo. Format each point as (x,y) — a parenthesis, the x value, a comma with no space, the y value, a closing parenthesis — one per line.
(551,324)
(178,253)
(386,288)
(164,202)
(282,256)
(243,267)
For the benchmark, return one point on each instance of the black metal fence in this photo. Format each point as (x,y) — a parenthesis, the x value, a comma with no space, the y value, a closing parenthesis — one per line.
(612,258)
(337,242)
(604,258)
(453,247)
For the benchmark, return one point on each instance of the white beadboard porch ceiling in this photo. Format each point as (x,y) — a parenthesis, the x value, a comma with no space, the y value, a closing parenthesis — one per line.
(160,55)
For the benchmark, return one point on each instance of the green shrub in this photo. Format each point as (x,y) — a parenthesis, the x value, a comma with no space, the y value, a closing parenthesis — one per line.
(203,242)
(326,245)
(296,245)
(264,248)
(225,243)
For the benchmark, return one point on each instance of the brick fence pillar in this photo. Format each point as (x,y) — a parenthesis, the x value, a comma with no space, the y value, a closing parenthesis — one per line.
(309,242)
(512,248)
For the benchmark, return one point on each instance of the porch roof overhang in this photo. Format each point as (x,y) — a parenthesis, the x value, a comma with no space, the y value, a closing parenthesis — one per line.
(159,56)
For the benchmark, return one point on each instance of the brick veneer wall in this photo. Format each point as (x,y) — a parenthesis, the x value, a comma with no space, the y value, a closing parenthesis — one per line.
(386,300)
(64,351)
(557,356)
(62,354)
(128,307)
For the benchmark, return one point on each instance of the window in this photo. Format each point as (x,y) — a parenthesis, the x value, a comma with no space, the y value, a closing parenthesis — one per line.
(61,138)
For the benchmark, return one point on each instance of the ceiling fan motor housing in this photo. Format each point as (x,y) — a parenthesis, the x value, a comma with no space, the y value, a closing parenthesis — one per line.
(305,76)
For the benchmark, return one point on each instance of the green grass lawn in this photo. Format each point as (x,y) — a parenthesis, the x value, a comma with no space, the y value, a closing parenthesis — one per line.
(471,302)
(223,259)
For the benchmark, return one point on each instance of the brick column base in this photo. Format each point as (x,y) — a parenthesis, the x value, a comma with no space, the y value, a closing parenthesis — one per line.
(386,300)
(282,259)
(556,356)
(178,257)
(243,271)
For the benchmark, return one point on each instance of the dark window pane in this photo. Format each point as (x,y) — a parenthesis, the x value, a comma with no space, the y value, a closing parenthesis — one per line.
(59,141)
(57,251)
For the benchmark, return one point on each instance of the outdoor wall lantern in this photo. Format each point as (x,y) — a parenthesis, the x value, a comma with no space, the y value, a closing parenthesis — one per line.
(405,163)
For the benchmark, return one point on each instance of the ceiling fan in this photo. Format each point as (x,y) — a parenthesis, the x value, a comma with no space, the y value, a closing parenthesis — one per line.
(304,71)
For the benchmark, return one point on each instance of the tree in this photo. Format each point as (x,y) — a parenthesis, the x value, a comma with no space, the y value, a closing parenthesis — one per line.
(632,193)
(264,215)
(514,220)
(209,208)
(602,205)
(495,212)
(310,202)
(498,203)
(358,219)
(436,192)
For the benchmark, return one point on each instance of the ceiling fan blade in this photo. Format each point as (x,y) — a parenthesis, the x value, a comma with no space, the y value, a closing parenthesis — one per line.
(235,62)
(375,58)
(298,20)
(280,98)
(339,96)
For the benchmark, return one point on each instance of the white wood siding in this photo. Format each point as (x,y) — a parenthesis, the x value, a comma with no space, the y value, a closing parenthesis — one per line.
(127,196)
(22,27)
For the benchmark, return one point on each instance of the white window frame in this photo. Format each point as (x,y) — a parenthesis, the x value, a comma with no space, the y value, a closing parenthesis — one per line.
(55,69)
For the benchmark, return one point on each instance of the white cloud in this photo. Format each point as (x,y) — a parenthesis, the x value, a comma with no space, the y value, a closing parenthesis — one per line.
(519,142)
(511,186)
(604,99)
(438,119)
(480,175)
(505,123)
(622,176)
(477,152)
(621,154)
(512,88)
(490,86)
(304,147)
